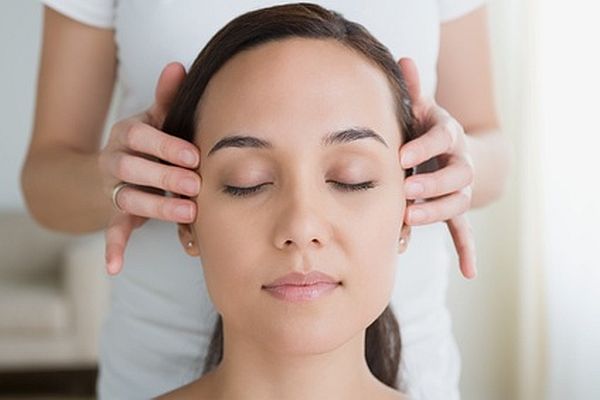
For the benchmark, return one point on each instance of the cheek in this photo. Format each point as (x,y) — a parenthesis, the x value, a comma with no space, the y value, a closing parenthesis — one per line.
(375,256)
(226,255)
(375,230)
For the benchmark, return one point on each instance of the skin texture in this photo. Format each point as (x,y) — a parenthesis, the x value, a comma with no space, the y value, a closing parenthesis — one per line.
(292,93)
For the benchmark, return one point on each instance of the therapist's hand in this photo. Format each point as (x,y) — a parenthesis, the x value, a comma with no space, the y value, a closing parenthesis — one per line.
(132,155)
(447,191)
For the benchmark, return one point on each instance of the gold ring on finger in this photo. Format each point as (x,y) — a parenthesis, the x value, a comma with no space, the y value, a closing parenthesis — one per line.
(115,193)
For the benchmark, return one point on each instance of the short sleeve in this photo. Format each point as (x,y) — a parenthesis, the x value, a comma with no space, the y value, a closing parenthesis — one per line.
(98,13)
(451,9)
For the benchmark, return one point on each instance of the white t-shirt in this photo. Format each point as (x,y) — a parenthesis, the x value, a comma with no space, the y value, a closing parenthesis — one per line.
(160,320)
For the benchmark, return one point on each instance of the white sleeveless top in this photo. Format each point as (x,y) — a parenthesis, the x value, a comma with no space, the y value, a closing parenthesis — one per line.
(160,319)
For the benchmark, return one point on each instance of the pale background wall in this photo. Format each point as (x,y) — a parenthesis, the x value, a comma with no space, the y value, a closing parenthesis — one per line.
(485,311)
(20,24)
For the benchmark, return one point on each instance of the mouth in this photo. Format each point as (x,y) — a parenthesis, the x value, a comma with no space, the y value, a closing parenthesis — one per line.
(296,287)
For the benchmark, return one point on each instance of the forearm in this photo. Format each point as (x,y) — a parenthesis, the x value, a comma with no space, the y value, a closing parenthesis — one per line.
(491,155)
(63,190)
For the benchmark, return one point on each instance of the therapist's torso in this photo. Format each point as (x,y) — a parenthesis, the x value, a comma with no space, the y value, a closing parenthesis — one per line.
(151,34)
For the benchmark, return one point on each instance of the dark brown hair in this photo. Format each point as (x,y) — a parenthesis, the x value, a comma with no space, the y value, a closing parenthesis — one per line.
(304,20)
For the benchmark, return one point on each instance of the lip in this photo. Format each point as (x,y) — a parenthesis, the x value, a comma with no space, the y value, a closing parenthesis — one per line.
(297,287)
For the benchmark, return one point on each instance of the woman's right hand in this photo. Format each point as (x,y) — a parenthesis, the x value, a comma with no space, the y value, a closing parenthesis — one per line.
(132,155)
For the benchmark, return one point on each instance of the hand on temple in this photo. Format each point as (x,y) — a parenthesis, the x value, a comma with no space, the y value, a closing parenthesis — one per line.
(132,155)
(447,192)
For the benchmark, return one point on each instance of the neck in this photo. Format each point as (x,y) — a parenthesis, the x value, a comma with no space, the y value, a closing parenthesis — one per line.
(251,371)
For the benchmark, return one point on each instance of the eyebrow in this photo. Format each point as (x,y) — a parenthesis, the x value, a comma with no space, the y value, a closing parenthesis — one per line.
(336,137)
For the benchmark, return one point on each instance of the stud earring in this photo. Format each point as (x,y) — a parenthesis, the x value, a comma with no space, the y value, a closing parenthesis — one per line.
(402,244)
(190,244)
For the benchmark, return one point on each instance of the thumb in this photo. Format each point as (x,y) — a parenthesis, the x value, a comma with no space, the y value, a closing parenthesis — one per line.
(168,84)
(411,77)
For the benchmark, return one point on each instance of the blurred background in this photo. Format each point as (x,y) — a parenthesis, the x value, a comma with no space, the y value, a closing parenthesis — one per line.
(528,327)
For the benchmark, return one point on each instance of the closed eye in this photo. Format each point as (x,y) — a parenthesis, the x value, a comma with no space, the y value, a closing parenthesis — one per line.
(345,187)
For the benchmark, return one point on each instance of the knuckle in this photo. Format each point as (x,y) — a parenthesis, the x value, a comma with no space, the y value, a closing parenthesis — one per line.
(133,131)
(163,148)
(450,134)
(431,213)
(419,150)
(443,137)
(165,179)
(117,129)
(434,215)
(432,186)
(121,166)
(162,208)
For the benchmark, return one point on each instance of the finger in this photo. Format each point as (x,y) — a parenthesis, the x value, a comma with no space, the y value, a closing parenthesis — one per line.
(116,236)
(168,84)
(464,242)
(138,202)
(140,171)
(438,140)
(411,77)
(457,175)
(143,138)
(440,209)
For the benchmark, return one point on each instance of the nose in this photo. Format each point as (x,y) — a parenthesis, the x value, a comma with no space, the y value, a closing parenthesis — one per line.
(302,222)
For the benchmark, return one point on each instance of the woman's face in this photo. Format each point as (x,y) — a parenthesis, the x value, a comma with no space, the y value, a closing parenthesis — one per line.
(295,94)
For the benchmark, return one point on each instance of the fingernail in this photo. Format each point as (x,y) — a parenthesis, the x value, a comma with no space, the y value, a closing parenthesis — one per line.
(188,157)
(183,212)
(408,159)
(190,186)
(111,268)
(414,189)
(416,215)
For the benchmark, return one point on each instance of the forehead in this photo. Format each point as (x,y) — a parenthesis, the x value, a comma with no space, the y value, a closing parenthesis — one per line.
(296,89)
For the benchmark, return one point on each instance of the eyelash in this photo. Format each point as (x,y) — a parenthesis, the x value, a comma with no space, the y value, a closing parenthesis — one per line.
(242,192)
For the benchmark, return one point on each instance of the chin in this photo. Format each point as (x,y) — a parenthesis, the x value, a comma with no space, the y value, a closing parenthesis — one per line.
(302,338)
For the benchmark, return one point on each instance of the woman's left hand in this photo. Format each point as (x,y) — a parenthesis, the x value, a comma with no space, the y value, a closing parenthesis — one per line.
(446,191)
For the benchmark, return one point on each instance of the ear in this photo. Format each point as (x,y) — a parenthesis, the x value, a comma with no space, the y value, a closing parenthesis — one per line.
(188,239)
